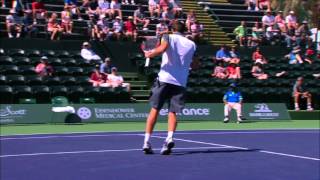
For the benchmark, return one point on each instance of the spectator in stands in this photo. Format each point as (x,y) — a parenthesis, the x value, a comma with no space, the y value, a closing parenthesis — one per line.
(234,56)
(196,31)
(38,10)
(257,71)
(176,7)
(164,4)
(54,27)
(96,78)
(291,36)
(66,20)
(295,57)
(273,33)
(309,54)
(154,8)
(161,28)
(127,2)
(103,28)
(14,24)
(299,91)
(223,54)
(73,5)
(220,71)
(104,8)
(168,16)
(280,22)
(20,6)
(268,19)
(117,28)
(44,68)
(3,2)
(28,26)
(105,68)
(93,7)
(233,71)
(115,80)
(93,27)
(264,3)
(139,18)
(116,8)
(241,33)
(257,35)
(252,5)
(258,57)
(291,20)
(130,29)
(191,18)
(303,33)
(87,53)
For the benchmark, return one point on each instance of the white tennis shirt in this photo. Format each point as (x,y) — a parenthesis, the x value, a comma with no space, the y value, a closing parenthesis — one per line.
(176,59)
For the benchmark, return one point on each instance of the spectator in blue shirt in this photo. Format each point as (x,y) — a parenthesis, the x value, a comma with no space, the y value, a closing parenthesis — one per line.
(223,54)
(232,100)
(105,68)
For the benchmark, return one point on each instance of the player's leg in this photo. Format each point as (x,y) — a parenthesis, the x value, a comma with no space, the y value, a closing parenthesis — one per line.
(238,108)
(309,102)
(227,108)
(296,102)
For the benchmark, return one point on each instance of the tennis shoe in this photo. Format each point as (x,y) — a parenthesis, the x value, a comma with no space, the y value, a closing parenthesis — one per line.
(167,148)
(147,149)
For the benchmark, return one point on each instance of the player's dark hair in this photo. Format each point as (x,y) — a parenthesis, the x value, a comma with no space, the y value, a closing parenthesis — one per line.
(178,26)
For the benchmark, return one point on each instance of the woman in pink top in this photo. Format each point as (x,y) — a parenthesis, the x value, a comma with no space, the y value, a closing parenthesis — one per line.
(53,27)
(280,21)
(66,19)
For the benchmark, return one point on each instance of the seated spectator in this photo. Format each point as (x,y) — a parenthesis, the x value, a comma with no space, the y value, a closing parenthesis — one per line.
(14,24)
(66,20)
(264,3)
(93,27)
(241,33)
(164,5)
(3,2)
(168,16)
(291,36)
(115,80)
(103,28)
(257,35)
(127,2)
(303,33)
(299,91)
(257,71)
(233,71)
(54,27)
(268,20)
(130,29)
(139,18)
(161,28)
(44,68)
(28,26)
(38,10)
(196,31)
(87,53)
(252,5)
(291,20)
(104,8)
(273,33)
(116,8)
(20,6)
(73,5)
(176,7)
(223,54)
(220,71)
(234,56)
(280,22)
(105,68)
(96,78)
(117,28)
(154,8)
(257,57)
(295,57)
(309,54)
(93,7)
(191,18)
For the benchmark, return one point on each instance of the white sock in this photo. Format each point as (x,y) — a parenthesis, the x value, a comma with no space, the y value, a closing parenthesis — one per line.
(147,137)
(18,35)
(296,105)
(309,105)
(170,136)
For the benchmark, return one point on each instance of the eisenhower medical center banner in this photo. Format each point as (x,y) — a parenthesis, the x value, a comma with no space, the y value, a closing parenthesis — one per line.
(41,113)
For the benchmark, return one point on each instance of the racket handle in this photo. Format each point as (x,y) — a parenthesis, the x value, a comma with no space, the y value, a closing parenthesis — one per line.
(147,62)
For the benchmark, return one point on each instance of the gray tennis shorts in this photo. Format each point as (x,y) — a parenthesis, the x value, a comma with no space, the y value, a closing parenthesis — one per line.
(165,92)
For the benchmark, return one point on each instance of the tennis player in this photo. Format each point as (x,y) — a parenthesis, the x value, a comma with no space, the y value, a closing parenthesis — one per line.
(232,100)
(177,54)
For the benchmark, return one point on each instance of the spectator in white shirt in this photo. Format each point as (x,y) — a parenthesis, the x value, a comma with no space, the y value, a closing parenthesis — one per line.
(291,20)
(87,53)
(115,80)
(268,20)
(104,8)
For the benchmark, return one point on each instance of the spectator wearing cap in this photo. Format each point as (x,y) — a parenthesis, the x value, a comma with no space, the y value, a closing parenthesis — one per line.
(303,33)
(117,28)
(28,26)
(38,10)
(14,24)
(105,68)
(130,29)
(223,54)
(258,57)
(139,17)
(220,71)
(291,20)
(154,8)
(66,20)
(87,53)
(241,33)
(161,28)
(115,80)
(233,71)
(257,71)
(44,68)
(257,35)
(300,92)
(54,27)
(116,8)
(280,22)
(268,19)
(73,5)
(96,78)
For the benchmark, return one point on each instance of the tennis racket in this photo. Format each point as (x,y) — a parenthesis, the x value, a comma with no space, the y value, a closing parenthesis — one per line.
(148,45)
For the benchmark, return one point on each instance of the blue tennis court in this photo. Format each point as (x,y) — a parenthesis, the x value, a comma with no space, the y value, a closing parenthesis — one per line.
(215,154)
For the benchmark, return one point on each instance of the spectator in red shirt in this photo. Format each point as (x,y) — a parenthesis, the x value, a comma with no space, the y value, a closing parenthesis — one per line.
(233,71)
(257,57)
(164,4)
(38,10)
(130,29)
(44,68)
(264,3)
(96,78)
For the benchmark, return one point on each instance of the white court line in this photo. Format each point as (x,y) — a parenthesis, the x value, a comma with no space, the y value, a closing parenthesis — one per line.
(242,148)
(93,132)
(99,151)
(159,133)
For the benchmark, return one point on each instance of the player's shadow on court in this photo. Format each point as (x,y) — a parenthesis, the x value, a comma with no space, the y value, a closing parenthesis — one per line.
(213,151)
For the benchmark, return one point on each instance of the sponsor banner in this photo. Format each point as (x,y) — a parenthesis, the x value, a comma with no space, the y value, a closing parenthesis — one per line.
(41,113)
